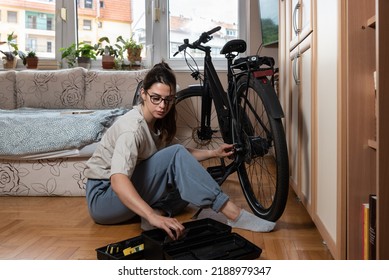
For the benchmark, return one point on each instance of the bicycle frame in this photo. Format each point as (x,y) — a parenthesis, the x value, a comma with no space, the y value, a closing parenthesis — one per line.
(213,91)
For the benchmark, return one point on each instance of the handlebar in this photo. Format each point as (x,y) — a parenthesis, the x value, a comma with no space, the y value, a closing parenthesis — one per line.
(204,38)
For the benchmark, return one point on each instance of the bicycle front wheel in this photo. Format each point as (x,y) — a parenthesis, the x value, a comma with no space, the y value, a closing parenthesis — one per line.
(264,170)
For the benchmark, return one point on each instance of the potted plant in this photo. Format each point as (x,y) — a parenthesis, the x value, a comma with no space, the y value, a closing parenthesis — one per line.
(133,50)
(81,54)
(70,54)
(30,60)
(10,56)
(86,53)
(108,52)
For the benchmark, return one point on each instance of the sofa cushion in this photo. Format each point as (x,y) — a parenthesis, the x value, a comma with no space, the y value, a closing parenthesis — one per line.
(7,89)
(111,89)
(51,89)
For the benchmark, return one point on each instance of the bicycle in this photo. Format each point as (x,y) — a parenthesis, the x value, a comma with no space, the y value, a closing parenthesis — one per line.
(248,115)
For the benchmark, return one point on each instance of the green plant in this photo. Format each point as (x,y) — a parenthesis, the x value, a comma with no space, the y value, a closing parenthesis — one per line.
(71,53)
(13,49)
(130,43)
(107,48)
(86,50)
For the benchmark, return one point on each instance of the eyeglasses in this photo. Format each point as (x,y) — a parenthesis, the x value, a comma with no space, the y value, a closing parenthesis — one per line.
(157,99)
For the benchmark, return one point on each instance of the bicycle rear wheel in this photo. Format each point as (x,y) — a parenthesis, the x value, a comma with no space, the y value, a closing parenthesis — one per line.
(264,170)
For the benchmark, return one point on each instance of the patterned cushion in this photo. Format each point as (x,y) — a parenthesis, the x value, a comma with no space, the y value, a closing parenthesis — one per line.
(51,89)
(105,90)
(45,177)
(7,89)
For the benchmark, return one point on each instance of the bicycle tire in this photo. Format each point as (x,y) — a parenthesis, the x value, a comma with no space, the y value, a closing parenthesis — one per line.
(264,171)
(188,120)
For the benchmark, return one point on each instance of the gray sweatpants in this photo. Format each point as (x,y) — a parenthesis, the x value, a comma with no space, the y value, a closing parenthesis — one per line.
(156,180)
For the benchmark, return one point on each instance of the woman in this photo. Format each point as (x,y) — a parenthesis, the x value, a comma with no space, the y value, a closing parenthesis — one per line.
(135,170)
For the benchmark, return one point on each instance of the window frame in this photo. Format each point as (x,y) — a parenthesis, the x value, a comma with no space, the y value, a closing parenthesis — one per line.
(67,32)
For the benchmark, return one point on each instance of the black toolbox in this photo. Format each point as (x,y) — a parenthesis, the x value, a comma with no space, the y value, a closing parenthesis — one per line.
(228,247)
(204,239)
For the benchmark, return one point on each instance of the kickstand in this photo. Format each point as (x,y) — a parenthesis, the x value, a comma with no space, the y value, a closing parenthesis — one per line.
(195,216)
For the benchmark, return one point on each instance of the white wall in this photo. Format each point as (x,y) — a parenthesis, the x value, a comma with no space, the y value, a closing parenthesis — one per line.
(327,72)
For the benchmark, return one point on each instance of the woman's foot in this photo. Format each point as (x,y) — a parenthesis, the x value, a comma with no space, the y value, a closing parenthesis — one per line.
(249,221)
(240,218)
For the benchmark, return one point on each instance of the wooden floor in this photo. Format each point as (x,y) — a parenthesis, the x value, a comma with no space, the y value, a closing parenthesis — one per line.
(60,228)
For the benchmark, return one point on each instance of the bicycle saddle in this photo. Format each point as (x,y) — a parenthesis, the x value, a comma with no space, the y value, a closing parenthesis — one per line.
(236,45)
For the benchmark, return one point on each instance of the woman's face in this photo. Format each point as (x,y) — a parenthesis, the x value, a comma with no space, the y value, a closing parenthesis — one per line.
(157,101)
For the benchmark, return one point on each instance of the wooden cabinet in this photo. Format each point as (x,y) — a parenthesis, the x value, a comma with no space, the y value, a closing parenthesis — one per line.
(299,119)
(299,96)
(300,14)
(335,119)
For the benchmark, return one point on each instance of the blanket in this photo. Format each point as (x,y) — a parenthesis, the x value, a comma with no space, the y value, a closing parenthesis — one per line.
(28,131)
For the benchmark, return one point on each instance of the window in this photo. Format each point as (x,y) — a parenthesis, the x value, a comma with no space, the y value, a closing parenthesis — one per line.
(12,17)
(87,24)
(31,44)
(31,22)
(49,24)
(187,19)
(160,25)
(110,21)
(49,47)
(190,20)
(88,4)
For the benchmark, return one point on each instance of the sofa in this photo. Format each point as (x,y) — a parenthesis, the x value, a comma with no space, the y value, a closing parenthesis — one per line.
(33,104)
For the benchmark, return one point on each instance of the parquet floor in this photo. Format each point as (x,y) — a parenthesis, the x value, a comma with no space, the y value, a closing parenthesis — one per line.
(47,228)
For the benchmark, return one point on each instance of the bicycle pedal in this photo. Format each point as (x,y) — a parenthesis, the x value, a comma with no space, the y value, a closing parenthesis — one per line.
(217,172)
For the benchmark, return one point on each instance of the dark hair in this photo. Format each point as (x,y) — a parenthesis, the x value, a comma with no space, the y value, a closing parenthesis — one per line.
(162,73)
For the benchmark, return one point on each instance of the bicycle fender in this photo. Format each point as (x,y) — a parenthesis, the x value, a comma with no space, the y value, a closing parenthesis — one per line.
(270,98)
(191,90)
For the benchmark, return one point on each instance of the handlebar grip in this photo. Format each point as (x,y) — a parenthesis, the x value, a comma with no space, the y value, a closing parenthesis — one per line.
(217,28)
(206,36)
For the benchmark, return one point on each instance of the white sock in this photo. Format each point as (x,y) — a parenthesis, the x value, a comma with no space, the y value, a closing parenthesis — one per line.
(251,222)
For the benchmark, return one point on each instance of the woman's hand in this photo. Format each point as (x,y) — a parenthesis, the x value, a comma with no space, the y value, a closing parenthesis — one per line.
(224,150)
(171,226)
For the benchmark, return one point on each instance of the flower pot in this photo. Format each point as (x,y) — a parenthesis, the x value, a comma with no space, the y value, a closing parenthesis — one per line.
(10,64)
(108,62)
(84,62)
(32,62)
(134,55)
